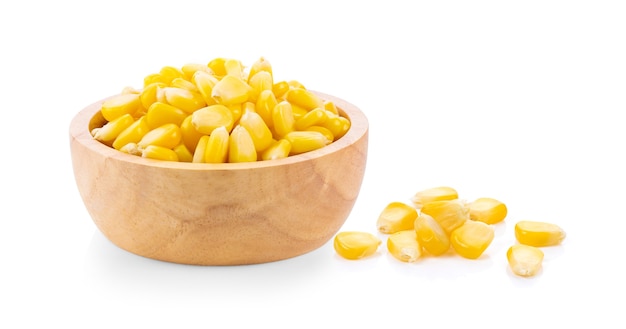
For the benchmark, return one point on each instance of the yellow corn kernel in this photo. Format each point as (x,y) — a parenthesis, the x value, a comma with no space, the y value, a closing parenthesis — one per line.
(265,103)
(167,135)
(323,131)
(160,113)
(148,95)
(153,78)
(206,119)
(183,153)
(119,105)
(279,89)
(241,146)
(298,111)
(331,107)
(183,83)
(304,98)
(277,150)
(216,150)
(472,238)
(260,133)
(261,65)
(305,141)
(233,68)
(404,246)
(190,69)
(431,235)
(190,135)
(109,132)
(282,119)
(434,194)
(200,150)
(183,99)
(132,134)
(524,260)
(159,153)
(538,234)
(236,110)
(355,245)
(204,83)
(338,125)
(396,216)
(230,90)
(488,210)
(258,83)
(217,66)
(169,73)
(312,118)
(450,214)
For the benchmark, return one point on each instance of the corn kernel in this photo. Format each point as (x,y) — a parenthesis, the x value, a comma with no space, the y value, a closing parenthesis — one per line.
(183,99)
(216,150)
(450,214)
(117,106)
(434,194)
(148,95)
(258,83)
(199,153)
(231,90)
(241,146)
(355,245)
(265,103)
(153,78)
(279,89)
(323,131)
(131,148)
(183,83)
(472,238)
(204,83)
(538,234)
(404,246)
(312,118)
(488,210)
(233,68)
(304,98)
(339,126)
(431,235)
(132,134)
(305,141)
(396,216)
(159,153)
(260,133)
(183,153)
(331,107)
(283,120)
(277,150)
(206,119)
(190,135)
(190,69)
(524,260)
(167,135)
(261,65)
(111,130)
(169,73)
(160,113)
(217,66)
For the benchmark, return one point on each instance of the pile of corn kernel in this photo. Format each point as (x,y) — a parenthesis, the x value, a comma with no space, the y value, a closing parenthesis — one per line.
(438,221)
(219,112)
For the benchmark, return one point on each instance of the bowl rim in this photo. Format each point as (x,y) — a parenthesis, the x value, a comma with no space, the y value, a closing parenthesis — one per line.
(359,126)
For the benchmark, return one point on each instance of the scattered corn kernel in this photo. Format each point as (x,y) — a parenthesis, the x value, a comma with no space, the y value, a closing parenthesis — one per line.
(488,210)
(396,216)
(206,119)
(304,98)
(404,246)
(305,141)
(431,235)
(524,260)
(167,135)
(450,214)
(160,113)
(216,150)
(538,234)
(230,90)
(259,131)
(117,106)
(282,118)
(356,245)
(241,146)
(471,239)
(434,194)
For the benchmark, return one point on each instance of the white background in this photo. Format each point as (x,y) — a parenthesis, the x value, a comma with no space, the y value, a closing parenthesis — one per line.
(521,101)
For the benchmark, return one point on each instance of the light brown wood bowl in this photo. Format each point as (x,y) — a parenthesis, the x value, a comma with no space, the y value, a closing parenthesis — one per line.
(219,214)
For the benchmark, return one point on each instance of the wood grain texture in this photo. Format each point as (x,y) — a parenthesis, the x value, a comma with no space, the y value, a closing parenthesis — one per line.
(219,214)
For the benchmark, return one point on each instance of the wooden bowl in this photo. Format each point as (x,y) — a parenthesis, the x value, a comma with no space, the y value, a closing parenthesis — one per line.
(219,214)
